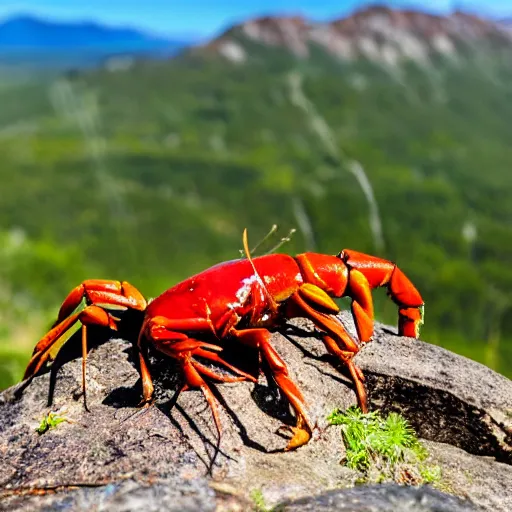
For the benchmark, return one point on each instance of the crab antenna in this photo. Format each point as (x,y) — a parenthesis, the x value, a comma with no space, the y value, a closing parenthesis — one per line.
(248,252)
(273,303)
(272,230)
(281,242)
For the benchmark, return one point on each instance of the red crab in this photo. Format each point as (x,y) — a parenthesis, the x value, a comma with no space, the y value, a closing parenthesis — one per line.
(239,301)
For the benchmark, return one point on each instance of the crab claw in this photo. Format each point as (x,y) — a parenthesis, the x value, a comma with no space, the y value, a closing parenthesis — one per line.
(301,434)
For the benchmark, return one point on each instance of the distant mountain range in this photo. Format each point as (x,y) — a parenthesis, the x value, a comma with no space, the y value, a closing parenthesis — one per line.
(28,40)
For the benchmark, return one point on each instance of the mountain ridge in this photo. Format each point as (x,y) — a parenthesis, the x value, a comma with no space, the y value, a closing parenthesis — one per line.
(378,33)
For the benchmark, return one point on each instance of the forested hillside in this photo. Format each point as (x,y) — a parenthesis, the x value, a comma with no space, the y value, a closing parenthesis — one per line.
(149,171)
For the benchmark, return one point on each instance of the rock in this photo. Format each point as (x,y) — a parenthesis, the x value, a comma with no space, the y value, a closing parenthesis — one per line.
(447,398)
(461,470)
(117,456)
(381,498)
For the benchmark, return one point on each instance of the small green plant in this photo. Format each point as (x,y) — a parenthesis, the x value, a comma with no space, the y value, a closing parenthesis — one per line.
(259,501)
(383,449)
(51,420)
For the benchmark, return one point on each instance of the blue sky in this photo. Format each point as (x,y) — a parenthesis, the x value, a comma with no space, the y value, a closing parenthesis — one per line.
(207,17)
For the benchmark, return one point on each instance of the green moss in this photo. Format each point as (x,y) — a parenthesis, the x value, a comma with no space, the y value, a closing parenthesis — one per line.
(383,449)
(51,420)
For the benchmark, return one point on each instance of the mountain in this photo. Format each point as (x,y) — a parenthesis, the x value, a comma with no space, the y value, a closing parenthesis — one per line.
(29,41)
(376,33)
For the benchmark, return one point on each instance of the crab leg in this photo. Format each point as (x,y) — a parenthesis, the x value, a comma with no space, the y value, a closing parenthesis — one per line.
(368,272)
(260,339)
(194,380)
(355,371)
(219,377)
(165,335)
(362,304)
(91,315)
(95,292)
(101,291)
(313,303)
(160,329)
(212,356)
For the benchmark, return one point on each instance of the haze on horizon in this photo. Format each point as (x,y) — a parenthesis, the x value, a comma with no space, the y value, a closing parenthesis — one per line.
(204,18)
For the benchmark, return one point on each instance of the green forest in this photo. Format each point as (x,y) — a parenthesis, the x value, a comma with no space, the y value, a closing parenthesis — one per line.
(149,171)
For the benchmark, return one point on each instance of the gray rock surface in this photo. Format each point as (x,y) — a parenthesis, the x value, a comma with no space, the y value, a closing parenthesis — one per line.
(381,498)
(116,456)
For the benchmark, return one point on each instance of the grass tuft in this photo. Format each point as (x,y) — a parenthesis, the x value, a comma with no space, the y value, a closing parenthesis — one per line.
(383,449)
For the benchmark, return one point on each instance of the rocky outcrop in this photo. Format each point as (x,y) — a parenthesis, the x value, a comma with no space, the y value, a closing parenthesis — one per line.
(378,33)
(167,457)
(381,498)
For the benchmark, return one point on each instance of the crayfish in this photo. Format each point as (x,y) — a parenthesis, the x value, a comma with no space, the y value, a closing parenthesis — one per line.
(239,301)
